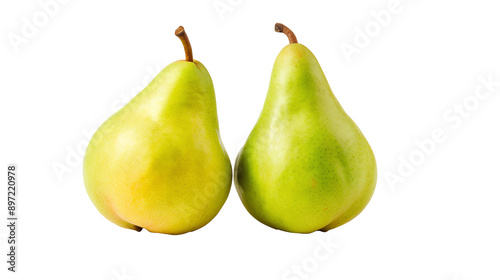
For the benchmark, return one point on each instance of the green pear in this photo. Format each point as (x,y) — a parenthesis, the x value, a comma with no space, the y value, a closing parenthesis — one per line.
(306,166)
(159,162)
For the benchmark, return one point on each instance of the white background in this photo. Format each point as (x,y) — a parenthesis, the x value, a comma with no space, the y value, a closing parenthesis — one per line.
(89,57)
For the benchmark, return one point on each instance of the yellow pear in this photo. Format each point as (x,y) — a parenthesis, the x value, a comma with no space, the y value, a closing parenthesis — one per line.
(159,162)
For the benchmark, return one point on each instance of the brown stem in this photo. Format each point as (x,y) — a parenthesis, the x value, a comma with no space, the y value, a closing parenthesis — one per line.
(179,32)
(279,27)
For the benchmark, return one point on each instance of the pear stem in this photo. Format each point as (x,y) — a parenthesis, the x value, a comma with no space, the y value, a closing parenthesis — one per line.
(279,27)
(179,32)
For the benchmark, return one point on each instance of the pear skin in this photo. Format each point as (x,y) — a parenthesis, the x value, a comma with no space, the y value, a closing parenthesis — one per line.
(306,166)
(159,162)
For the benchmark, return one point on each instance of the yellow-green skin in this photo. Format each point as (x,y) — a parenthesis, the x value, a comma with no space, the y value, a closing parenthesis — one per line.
(306,166)
(159,162)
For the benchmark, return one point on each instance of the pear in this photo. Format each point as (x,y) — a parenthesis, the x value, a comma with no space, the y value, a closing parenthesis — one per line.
(306,166)
(159,162)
